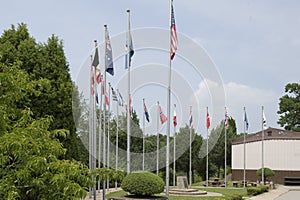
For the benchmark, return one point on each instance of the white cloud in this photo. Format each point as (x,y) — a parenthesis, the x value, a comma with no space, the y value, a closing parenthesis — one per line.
(237,97)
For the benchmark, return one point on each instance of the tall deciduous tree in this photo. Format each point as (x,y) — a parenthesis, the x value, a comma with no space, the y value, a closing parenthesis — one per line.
(29,152)
(47,62)
(289,108)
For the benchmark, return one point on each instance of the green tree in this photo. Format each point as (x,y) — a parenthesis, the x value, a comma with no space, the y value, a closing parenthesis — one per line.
(29,152)
(289,108)
(267,172)
(44,62)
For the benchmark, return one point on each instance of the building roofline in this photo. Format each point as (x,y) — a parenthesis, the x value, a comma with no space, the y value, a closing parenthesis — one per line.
(269,134)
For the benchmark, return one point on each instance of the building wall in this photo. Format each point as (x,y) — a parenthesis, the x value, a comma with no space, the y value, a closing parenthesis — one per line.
(280,155)
(238,175)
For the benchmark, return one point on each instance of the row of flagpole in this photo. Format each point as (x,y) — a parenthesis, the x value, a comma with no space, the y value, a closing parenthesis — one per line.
(109,68)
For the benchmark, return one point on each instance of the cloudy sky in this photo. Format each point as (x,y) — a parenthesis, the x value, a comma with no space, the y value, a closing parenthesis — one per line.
(254,45)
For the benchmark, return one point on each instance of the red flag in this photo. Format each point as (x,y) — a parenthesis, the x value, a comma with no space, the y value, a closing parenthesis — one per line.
(106,99)
(92,82)
(173,34)
(207,120)
(162,116)
(130,108)
(175,117)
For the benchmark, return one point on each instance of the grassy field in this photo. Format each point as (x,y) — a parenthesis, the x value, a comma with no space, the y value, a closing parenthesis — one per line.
(224,191)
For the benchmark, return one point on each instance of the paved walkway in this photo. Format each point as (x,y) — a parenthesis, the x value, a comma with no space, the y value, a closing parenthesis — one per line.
(282,192)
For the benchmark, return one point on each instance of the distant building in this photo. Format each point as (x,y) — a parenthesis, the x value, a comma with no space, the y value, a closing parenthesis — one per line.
(281,154)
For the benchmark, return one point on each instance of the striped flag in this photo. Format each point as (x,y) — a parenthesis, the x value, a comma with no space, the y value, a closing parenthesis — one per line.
(174,40)
(162,116)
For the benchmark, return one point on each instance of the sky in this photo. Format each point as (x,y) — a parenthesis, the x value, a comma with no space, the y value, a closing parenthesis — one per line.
(248,51)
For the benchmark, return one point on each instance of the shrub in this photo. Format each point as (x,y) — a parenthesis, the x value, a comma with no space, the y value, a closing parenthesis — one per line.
(235,197)
(267,172)
(142,183)
(257,190)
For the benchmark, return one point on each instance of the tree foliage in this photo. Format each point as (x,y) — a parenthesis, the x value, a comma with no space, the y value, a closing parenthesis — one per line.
(289,108)
(45,68)
(30,168)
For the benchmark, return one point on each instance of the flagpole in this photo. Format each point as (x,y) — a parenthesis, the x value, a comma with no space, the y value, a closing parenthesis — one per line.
(128,106)
(244,147)
(207,149)
(225,151)
(94,128)
(117,137)
(174,157)
(100,132)
(144,136)
(169,105)
(108,133)
(104,113)
(157,140)
(90,120)
(190,165)
(262,147)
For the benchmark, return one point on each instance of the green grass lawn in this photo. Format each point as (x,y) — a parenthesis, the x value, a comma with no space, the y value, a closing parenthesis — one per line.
(224,191)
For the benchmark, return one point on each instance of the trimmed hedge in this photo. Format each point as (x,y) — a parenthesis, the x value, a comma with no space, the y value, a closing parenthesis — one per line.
(257,190)
(235,197)
(142,183)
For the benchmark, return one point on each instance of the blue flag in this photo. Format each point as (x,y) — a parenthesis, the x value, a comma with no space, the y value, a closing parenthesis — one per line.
(246,121)
(146,113)
(131,52)
(109,57)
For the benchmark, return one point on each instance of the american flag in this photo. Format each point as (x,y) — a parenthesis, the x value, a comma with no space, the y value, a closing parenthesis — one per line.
(173,34)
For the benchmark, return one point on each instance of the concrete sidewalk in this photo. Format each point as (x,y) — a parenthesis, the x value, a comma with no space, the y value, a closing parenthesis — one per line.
(272,194)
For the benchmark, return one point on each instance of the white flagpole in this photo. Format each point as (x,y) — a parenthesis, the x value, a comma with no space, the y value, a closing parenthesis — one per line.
(169,107)
(244,147)
(128,106)
(108,133)
(206,151)
(90,121)
(144,135)
(104,113)
(157,140)
(117,137)
(100,131)
(262,147)
(174,157)
(225,151)
(190,165)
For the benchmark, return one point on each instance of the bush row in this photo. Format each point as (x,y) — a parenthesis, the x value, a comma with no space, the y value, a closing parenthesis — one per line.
(257,190)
